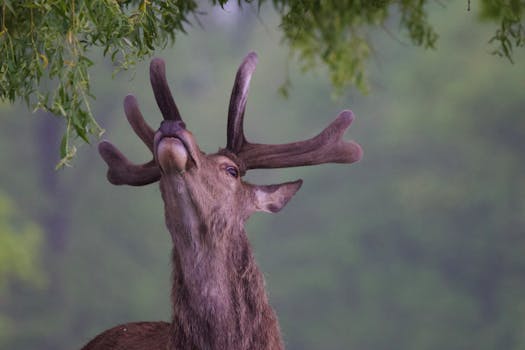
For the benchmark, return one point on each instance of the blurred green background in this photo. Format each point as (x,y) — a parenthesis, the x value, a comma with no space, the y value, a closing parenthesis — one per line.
(421,245)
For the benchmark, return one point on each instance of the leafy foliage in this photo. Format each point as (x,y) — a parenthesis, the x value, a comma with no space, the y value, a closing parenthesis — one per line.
(511,31)
(21,243)
(45,44)
(44,50)
(419,246)
(334,33)
(19,255)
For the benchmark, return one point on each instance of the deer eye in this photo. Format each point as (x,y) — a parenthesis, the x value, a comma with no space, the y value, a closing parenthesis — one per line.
(232,171)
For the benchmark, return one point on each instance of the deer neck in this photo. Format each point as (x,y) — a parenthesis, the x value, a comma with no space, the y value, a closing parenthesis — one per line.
(218,295)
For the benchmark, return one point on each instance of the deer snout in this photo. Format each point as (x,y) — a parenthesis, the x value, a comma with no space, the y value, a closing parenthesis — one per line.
(172,156)
(175,148)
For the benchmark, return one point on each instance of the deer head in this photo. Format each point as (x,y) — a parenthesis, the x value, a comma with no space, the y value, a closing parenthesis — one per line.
(207,202)
(215,180)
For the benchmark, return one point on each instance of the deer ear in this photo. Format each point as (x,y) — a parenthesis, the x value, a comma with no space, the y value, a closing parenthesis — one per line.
(272,198)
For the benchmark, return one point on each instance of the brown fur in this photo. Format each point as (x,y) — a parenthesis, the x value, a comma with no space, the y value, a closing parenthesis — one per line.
(132,336)
(219,300)
(218,296)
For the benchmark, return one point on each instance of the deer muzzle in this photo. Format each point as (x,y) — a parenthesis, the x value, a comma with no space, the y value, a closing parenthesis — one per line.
(175,147)
(172,155)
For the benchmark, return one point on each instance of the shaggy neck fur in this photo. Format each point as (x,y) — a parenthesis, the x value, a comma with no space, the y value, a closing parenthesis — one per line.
(218,295)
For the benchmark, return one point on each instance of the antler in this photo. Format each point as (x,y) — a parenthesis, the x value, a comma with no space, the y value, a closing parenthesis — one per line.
(238,100)
(327,147)
(121,170)
(161,90)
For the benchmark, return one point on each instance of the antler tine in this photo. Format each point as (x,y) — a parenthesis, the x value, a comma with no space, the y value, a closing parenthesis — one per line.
(326,147)
(122,172)
(137,122)
(161,90)
(238,100)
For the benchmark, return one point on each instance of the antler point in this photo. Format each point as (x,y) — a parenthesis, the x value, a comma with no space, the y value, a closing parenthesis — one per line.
(129,97)
(347,115)
(253,55)
(103,146)
(157,61)
(355,153)
(130,101)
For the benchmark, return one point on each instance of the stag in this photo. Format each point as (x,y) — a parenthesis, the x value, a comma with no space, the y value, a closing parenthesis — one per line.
(218,294)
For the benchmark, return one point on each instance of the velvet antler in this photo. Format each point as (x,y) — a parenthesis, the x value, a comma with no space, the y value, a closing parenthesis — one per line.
(327,147)
(238,99)
(121,171)
(161,90)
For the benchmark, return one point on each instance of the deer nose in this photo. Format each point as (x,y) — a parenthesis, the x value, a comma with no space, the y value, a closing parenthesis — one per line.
(171,127)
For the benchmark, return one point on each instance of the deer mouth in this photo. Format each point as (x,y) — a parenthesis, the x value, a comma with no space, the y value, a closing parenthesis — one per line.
(174,147)
(173,154)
